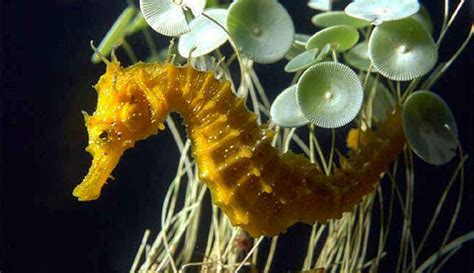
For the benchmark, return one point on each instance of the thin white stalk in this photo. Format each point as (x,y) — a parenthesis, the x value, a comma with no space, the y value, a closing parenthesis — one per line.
(249,254)
(260,89)
(445,249)
(140,251)
(439,71)
(441,202)
(445,28)
(271,254)
(310,249)
(446,258)
(179,142)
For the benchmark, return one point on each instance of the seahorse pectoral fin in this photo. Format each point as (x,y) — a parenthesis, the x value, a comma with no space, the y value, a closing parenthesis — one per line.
(100,170)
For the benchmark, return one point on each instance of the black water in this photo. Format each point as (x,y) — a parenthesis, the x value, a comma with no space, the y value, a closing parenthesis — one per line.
(46,82)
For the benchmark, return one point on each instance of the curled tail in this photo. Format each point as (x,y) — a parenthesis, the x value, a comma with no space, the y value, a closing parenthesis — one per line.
(258,188)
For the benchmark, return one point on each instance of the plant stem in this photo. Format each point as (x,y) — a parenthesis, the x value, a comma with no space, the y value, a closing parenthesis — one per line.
(445,249)
(129,50)
(445,27)
(151,44)
(444,66)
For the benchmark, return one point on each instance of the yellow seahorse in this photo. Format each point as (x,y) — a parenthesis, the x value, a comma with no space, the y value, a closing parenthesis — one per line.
(259,189)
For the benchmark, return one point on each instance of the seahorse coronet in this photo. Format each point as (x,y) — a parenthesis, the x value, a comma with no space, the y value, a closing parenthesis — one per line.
(259,189)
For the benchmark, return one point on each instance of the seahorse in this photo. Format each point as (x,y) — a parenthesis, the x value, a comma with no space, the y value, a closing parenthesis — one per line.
(257,187)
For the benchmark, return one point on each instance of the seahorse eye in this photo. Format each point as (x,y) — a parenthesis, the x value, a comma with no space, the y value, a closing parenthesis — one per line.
(104,136)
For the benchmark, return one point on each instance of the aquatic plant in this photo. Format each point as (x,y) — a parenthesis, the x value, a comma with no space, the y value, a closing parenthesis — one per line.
(374,94)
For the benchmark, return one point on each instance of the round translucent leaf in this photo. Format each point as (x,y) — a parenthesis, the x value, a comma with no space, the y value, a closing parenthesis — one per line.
(402,50)
(423,16)
(429,127)
(382,100)
(329,94)
(205,36)
(323,5)
(378,11)
(261,29)
(337,18)
(358,57)
(301,61)
(341,38)
(285,112)
(167,16)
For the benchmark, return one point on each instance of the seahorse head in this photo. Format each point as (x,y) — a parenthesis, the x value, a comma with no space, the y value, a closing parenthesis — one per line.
(122,117)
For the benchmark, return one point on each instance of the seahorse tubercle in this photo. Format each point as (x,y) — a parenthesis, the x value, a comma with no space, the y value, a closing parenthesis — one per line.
(258,188)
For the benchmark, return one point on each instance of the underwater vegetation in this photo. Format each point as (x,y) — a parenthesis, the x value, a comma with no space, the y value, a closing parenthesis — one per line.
(370,67)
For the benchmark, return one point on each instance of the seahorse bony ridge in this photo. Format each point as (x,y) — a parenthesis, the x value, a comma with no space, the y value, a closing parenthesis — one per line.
(259,189)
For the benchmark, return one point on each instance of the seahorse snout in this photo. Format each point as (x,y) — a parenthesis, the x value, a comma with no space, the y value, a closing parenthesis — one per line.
(99,172)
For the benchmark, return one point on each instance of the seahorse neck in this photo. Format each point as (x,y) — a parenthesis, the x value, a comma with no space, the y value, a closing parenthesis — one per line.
(167,84)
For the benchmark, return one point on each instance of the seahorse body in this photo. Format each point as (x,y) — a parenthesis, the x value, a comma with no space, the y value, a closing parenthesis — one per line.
(259,189)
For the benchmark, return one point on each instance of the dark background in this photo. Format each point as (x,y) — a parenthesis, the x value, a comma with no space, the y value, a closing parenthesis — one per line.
(46,82)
